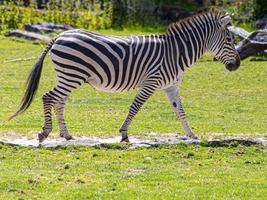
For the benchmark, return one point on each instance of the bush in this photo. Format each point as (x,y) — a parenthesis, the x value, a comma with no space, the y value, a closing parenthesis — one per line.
(89,14)
(242,11)
(14,15)
(260,8)
(104,14)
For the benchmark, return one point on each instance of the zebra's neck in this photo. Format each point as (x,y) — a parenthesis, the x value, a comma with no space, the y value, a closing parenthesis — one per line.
(187,41)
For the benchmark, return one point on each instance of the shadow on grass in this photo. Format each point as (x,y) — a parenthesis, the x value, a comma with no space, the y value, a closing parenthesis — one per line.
(229,143)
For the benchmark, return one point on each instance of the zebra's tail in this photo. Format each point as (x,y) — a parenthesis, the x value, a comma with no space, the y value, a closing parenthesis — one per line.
(32,83)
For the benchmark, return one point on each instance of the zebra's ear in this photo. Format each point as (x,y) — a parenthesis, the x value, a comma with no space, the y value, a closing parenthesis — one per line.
(226,21)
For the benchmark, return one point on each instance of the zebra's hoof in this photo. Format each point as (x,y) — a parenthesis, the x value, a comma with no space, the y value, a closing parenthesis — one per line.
(68,137)
(41,137)
(125,139)
(192,136)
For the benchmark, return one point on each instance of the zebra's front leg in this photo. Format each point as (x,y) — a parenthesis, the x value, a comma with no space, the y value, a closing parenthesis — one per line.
(139,100)
(59,109)
(47,128)
(174,98)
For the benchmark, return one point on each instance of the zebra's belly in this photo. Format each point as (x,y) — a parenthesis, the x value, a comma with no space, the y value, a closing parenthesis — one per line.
(117,88)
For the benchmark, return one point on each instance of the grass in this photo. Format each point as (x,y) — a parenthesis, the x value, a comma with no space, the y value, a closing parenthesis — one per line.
(215,101)
(167,172)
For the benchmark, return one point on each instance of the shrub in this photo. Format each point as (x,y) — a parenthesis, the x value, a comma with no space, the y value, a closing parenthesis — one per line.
(260,8)
(14,15)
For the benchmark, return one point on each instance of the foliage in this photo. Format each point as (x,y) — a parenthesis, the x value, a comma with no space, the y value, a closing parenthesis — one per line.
(260,9)
(98,14)
(144,12)
(242,11)
(15,16)
(188,5)
(104,14)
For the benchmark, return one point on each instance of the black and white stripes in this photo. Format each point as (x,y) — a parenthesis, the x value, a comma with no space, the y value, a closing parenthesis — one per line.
(117,64)
(113,64)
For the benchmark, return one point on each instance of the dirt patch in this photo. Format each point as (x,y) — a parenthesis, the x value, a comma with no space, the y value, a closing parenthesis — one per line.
(151,140)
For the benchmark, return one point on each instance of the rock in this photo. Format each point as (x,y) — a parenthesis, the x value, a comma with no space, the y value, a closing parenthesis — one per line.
(46,27)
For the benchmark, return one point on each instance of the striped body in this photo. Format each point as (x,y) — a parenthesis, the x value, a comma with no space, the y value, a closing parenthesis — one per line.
(117,64)
(109,63)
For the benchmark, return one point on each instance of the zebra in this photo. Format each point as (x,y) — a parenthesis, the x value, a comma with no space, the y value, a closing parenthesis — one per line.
(121,63)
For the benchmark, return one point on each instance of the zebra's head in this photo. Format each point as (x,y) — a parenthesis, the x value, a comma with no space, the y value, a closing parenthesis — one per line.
(222,45)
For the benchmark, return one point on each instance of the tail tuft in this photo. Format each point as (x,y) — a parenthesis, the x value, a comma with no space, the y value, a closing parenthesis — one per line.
(32,84)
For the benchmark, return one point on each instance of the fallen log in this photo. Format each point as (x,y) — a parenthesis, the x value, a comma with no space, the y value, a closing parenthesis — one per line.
(46,27)
(239,31)
(55,26)
(37,28)
(28,35)
(252,43)
(255,43)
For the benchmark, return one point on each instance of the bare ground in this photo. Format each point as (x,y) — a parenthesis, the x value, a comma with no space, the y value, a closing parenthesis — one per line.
(150,140)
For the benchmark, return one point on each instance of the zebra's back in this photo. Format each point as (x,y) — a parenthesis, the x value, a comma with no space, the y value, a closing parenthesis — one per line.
(106,62)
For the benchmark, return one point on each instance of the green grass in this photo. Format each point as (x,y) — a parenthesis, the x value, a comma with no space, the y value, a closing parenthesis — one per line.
(215,101)
(167,172)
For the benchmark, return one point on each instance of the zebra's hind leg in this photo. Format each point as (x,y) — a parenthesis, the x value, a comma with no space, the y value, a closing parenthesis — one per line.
(59,109)
(174,98)
(139,100)
(55,98)
(48,103)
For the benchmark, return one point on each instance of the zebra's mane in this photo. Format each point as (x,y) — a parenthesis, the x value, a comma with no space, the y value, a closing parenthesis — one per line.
(211,11)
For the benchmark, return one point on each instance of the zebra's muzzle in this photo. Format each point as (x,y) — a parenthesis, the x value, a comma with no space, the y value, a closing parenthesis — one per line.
(232,66)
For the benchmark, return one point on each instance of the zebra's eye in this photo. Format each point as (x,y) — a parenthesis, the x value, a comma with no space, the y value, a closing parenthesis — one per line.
(233,37)
(229,36)
(228,39)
